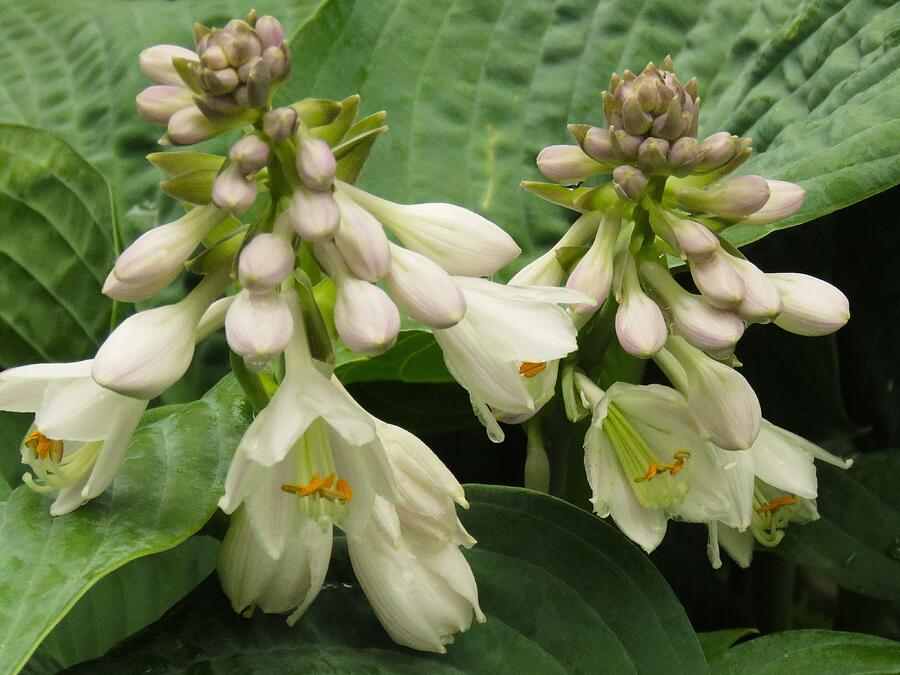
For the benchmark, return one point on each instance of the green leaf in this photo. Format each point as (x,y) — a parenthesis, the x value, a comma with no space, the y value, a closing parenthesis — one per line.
(13,427)
(165,491)
(563,591)
(122,603)
(856,541)
(415,358)
(810,652)
(56,248)
(475,89)
(85,79)
(716,642)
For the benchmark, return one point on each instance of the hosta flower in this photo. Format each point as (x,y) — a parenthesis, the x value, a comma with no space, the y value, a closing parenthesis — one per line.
(501,349)
(646,462)
(80,431)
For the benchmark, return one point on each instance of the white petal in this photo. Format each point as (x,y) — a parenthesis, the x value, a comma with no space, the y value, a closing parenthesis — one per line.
(114,446)
(22,389)
(781,460)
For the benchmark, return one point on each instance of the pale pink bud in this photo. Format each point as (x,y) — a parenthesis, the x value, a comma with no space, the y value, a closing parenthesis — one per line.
(365,317)
(314,215)
(702,325)
(594,272)
(265,262)
(718,281)
(423,290)
(258,327)
(629,182)
(640,325)
(362,241)
(156,63)
(761,302)
(543,271)
(688,238)
(722,402)
(315,164)
(232,191)
(157,104)
(269,31)
(280,123)
(567,164)
(811,306)
(278,61)
(156,257)
(189,126)
(717,150)
(249,155)
(784,199)
(735,198)
(596,143)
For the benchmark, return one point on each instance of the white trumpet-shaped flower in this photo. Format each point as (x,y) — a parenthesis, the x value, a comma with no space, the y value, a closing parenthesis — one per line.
(459,240)
(507,337)
(80,433)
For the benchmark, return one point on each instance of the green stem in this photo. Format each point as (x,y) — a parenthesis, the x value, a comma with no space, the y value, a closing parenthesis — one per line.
(250,383)
(537,465)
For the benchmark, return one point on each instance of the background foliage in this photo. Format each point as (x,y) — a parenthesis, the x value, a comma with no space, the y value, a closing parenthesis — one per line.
(474,90)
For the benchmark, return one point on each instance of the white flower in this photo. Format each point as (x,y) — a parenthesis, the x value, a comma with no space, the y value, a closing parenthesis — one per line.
(646,462)
(460,241)
(593,275)
(149,351)
(811,306)
(80,432)
(507,337)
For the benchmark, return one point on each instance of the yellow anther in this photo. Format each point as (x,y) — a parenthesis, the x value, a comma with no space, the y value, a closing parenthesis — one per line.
(529,369)
(680,457)
(44,447)
(653,470)
(322,487)
(776,504)
(343,489)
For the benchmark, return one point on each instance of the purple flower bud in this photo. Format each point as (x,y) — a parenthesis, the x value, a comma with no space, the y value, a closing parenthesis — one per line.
(265,262)
(278,61)
(736,198)
(233,191)
(249,155)
(717,280)
(280,123)
(189,126)
(362,241)
(652,155)
(567,164)
(270,31)
(597,144)
(218,82)
(629,182)
(625,146)
(214,58)
(636,121)
(314,215)
(717,150)
(365,317)
(683,155)
(315,164)
(157,104)
(688,238)
(640,325)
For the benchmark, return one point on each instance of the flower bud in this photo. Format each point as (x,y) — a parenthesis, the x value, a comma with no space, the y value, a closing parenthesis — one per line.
(423,290)
(249,155)
(157,104)
(684,155)
(265,262)
(150,351)
(543,271)
(280,123)
(717,150)
(189,126)
(314,215)
(640,325)
(784,199)
(629,182)
(688,238)
(218,82)
(597,144)
(722,402)
(214,58)
(460,241)
(593,273)
(269,31)
(362,241)
(158,256)
(761,302)
(232,191)
(811,306)
(718,281)
(258,327)
(120,290)
(365,317)
(278,61)
(735,198)
(624,145)
(652,155)
(156,63)
(258,84)
(315,164)
(567,164)
(702,325)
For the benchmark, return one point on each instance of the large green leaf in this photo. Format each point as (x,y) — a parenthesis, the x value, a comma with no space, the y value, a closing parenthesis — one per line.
(56,226)
(474,89)
(415,358)
(856,542)
(122,603)
(165,491)
(563,592)
(810,652)
(71,67)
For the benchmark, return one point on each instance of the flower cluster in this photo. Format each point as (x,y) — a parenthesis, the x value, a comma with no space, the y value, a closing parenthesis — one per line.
(313,265)
(699,452)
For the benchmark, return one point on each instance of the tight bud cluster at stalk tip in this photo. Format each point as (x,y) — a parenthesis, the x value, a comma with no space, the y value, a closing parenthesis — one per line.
(672,196)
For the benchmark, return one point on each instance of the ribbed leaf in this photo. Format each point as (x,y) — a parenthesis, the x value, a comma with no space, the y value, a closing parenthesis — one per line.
(563,592)
(165,491)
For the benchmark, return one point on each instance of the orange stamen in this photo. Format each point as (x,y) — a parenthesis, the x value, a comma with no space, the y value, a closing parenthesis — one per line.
(680,457)
(652,471)
(321,487)
(529,369)
(343,489)
(776,504)
(44,447)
